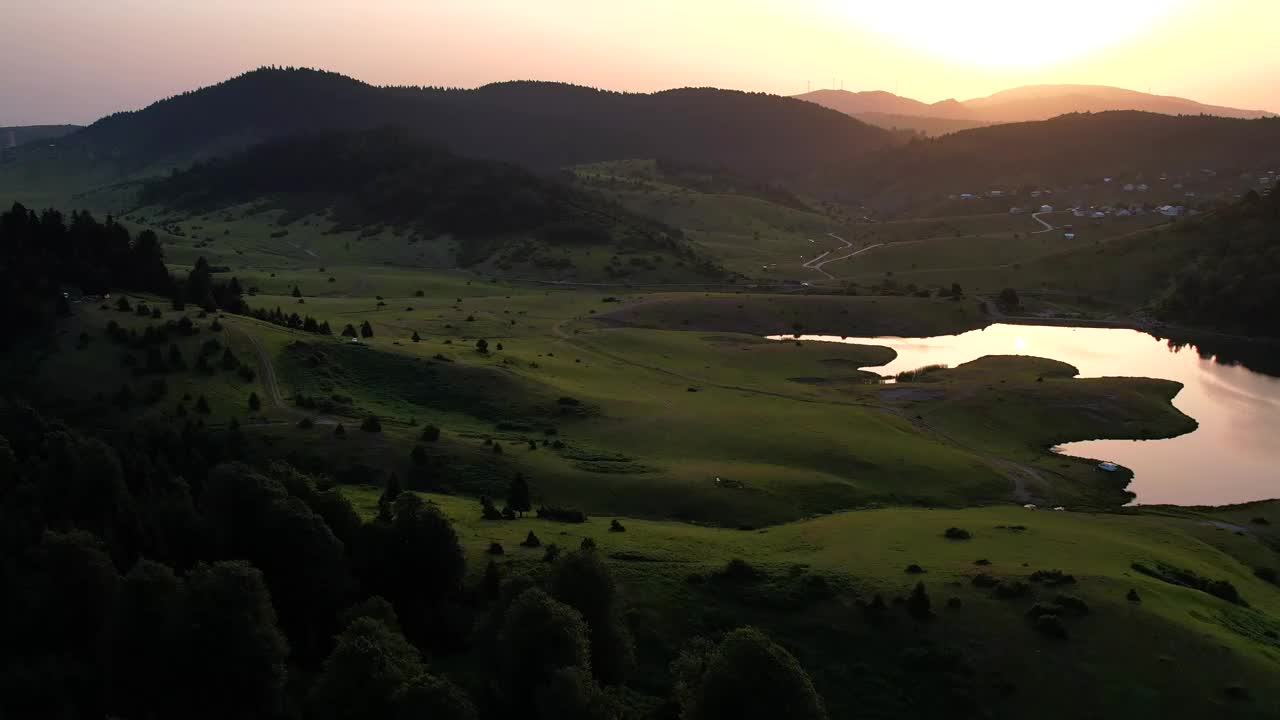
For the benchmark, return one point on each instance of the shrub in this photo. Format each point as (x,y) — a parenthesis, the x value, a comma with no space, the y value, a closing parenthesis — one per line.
(918,604)
(954,603)
(1013,589)
(982,561)
(371,424)
(587,544)
(339,431)
(1132,596)
(1073,603)
(551,553)
(1052,578)
(531,541)
(914,569)
(615,526)
(1051,625)
(306,423)
(568,515)
(985,580)
(955,533)
(430,433)
(496,548)
(739,570)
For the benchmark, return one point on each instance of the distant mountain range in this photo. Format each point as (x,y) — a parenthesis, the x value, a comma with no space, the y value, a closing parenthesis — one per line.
(11,137)
(1031,102)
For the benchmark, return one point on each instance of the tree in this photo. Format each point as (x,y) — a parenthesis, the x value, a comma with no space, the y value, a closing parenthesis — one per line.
(518,495)
(390,491)
(430,433)
(339,431)
(956,291)
(369,663)
(202,405)
(482,346)
(240,669)
(254,403)
(366,330)
(371,424)
(144,628)
(749,677)
(918,603)
(418,455)
(416,336)
(1008,299)
(539,636)
(584,582)
(296,292)
(348,331)
(572,694)
(433,697)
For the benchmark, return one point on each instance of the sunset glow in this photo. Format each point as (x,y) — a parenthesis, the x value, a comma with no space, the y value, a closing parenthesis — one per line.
(1009,32)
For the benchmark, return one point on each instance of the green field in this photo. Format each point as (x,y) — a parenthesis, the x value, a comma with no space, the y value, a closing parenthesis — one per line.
(1116,660)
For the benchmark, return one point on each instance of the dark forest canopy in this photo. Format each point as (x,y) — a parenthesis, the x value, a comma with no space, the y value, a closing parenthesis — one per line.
(44,255)
(541,125)
(386,176)
(1234,283)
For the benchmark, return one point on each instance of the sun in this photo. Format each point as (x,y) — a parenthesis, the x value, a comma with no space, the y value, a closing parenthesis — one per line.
(1007,32)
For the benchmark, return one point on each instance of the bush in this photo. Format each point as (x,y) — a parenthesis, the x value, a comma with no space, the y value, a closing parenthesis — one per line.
(914,569)
(1052,578)
(1013,589)
(1132,596)
(615,526)
(955,533)
(531,541)
(1073,603)
(982,562)
(495,548)
(551,553)
(918,603)
(371,424)
(1051,625)
(739,570)
(306,423)
(587,544)
(430,433)
(985,580)
(568,515)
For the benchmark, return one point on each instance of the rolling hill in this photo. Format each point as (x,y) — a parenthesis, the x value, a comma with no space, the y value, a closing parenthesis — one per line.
(369,180)
(1076,148)
(540,125)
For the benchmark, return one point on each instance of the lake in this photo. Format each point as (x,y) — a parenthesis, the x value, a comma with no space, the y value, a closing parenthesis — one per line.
(1233,457)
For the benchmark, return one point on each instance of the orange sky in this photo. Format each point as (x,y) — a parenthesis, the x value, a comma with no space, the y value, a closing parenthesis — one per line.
(75,60)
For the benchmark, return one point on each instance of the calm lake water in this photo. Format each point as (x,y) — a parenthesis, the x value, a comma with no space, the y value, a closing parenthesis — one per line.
(1233,457)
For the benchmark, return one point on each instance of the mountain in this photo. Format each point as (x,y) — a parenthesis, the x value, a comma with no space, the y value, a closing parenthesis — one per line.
(923,124)
(1040,102)
(1069,149)
(540,125)
(11,137)
(879,101)
(1030,102)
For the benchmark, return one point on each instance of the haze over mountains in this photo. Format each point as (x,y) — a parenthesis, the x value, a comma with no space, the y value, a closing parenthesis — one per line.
(1030,102)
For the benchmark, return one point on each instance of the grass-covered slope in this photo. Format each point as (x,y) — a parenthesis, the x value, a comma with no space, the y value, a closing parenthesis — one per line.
(980,650)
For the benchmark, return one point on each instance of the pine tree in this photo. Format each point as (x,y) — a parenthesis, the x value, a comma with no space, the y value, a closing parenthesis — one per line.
(518,495)
(416,336)
(296,292)
(366,330)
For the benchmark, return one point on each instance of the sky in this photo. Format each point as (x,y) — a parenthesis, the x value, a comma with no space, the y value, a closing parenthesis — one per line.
(73,61)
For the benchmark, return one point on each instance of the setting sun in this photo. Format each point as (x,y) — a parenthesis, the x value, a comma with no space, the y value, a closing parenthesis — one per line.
(1010,33)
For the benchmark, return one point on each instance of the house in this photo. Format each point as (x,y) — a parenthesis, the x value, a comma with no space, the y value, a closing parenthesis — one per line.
(1046,208)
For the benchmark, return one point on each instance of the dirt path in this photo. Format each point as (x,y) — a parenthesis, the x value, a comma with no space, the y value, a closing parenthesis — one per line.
(267,372)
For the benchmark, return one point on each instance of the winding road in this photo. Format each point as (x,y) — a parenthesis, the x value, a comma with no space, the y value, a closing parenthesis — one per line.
(819,262)
(1047,226)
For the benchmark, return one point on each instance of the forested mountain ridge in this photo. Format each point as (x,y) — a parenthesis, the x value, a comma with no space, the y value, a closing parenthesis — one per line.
(541,125)
(388,177)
